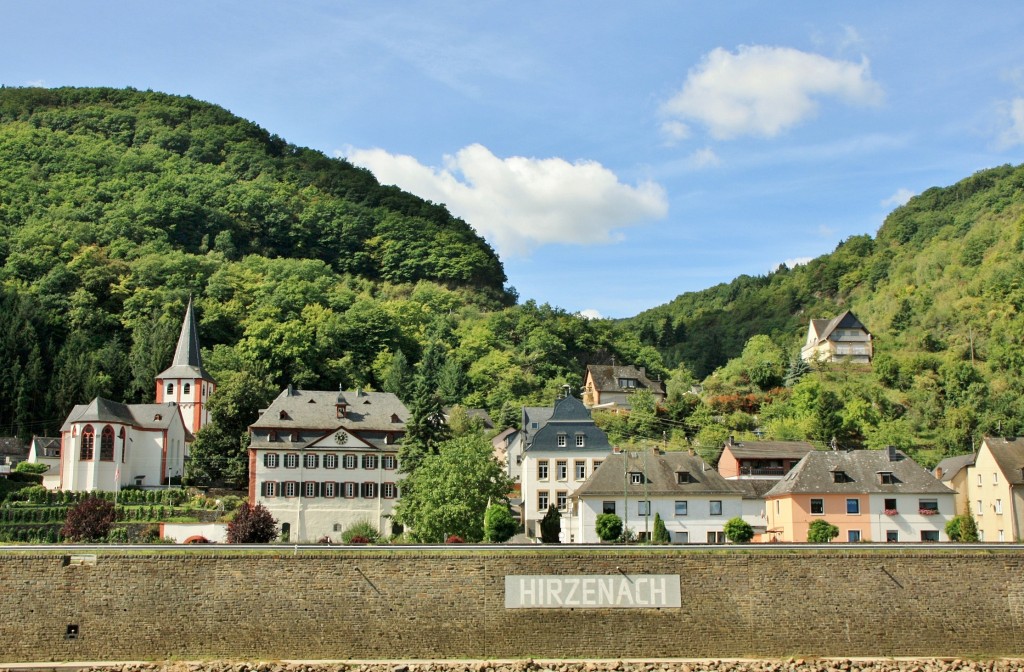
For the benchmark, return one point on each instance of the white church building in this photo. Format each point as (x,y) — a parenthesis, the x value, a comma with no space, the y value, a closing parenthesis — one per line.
(107,445)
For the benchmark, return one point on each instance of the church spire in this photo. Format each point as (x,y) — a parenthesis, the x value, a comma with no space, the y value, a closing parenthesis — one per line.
(187,362)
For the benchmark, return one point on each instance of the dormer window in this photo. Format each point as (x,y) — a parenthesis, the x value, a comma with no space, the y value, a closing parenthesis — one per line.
(627,383)
(157,417)
(283,415)
(683,477)
(887,478)
(840,476)
(395,418)
(636,478)
(562,440)
(580,440)
(272,435)
(340,410)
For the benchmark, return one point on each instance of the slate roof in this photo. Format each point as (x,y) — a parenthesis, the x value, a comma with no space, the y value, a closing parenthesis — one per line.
(187,362)
(13,446)
(144,416)
(316,409)
(1009,455)
(749,450)
(606,378)
(45,445)
(535,414)
(846,320)
(951,466)
(660,470)
(814,474)
(569,417)
(753,488)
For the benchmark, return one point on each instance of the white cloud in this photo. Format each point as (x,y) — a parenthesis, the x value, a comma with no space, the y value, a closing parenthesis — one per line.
(793,263)
(764,91)
(1011,115)
(705,158)
(901,197)
(675,130)
(518,203)
(36,82)
(590,314)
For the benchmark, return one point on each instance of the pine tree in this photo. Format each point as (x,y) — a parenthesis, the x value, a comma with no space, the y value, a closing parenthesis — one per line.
(551,526)
(661,535)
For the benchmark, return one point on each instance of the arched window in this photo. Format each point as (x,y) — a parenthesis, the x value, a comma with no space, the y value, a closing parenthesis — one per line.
(186,388)
(170,388)
(107,444)
(88,443)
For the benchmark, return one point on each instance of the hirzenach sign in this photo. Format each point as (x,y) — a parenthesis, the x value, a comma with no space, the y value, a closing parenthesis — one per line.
(592,591)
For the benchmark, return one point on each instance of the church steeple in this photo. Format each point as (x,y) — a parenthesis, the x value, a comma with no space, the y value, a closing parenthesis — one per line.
(186,382)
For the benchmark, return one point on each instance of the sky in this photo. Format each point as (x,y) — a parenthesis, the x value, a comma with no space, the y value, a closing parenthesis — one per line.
(614,154)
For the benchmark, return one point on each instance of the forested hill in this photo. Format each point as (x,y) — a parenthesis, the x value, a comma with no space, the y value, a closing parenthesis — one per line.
(123,168)
(944,275)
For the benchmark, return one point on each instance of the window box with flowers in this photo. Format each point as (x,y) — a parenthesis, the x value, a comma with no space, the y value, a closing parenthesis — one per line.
(928,512)
(892,512)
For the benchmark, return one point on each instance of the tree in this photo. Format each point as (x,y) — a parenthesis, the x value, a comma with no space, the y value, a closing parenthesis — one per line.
(798,368)
(661,535)
(738,531)
(449,492)
(31,468)
(608,527)
(962,528)
(821,532)
(551,526)
(252,525)
(499,525)
(90,520)
(426,428)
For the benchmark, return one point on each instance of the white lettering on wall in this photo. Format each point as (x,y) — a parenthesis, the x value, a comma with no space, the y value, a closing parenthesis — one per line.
(615,591)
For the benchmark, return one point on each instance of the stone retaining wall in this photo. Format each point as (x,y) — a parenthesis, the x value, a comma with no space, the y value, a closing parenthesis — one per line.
(448,605)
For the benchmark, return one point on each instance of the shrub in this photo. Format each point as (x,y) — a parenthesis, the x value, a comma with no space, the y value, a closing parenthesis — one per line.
(608,527)
(454,539)
(89,520)
(738,531)
(31,468)
(362,529)
(551,526)
(661,535)
(821,532)
(499,525)
(252,525)
(118,535)
(962,529)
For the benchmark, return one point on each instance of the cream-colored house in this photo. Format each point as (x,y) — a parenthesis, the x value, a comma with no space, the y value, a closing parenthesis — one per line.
(844,338)
(997,489)
(952,472)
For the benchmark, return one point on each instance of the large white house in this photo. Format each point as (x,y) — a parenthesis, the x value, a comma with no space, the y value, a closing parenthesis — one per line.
(321,461)
(558,457)
(106,445)
(692,499)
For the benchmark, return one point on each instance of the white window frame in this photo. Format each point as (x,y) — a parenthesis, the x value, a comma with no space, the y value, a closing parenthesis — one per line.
(643,508)
(310,461)
(543,500)
(388,490)
(561,499)
(580,466)
(350,489)
(543,472)
(562,470)
(349,461)
(330,461)
(329,489)
(270,489)
(562,441)
(309,489)
(712,508)
(289,489)
(682,507)
(388,462)
(850,534)
(271,460)
(580,440)
(291,460)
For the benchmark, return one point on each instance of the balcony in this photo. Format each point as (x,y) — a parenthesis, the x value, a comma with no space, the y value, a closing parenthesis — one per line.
(763,471)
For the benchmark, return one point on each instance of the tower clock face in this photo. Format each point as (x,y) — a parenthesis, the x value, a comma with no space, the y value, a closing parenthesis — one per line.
(341,438)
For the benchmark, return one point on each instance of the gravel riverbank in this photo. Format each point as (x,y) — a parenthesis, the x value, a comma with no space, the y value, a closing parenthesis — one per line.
(787,665)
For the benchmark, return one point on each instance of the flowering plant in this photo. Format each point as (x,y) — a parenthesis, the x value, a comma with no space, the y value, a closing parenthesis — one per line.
(928,512)
(891,512)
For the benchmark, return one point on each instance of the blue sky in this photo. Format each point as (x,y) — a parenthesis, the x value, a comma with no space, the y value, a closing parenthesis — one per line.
(615,154)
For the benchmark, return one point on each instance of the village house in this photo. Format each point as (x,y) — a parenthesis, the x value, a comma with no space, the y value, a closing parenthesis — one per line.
(843,338)
(321,461)
(107,445)
(46,450)
(760,459)
(610,386)
(996,482)
(953,472)
(870,495)
(692,499)
(558,456)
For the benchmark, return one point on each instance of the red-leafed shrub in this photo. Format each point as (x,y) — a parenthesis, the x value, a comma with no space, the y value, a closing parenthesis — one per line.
(90,520)
(252,525)
(454,539)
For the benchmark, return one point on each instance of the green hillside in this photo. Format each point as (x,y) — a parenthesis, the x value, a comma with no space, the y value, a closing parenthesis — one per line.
(940,287)
(117,205)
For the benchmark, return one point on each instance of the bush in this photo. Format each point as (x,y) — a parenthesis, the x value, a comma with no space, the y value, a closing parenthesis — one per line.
(499,525)
(454,539)
(608,527)
(31,468)
(362,529)
(821,532)
(551,526)
(738,531)
(661,535)
(252,525)
(962,528)
(90,520)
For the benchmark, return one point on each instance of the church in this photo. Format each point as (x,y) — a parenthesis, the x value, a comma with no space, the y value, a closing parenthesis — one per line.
(107,445)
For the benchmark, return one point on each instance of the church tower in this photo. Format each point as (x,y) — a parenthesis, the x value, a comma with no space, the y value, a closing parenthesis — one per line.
(186,382)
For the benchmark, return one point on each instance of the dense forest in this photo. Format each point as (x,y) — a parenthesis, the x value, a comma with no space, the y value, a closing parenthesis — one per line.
(116,206)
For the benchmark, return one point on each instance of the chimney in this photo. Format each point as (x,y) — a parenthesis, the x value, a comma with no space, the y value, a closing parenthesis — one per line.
(893,453)
(732,440)
(291,390)
(938,473)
